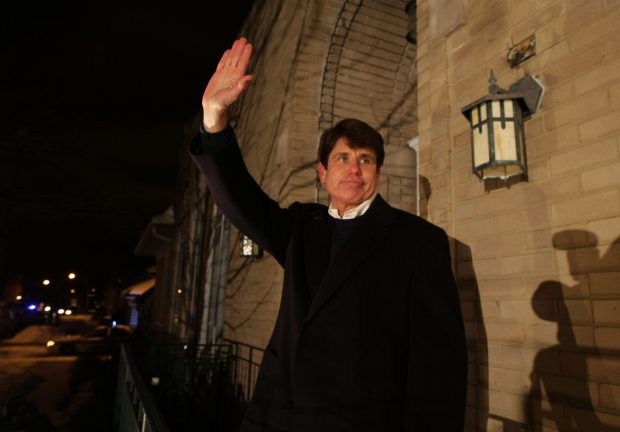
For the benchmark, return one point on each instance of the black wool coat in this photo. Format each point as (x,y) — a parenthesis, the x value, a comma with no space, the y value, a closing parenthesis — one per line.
(372,341)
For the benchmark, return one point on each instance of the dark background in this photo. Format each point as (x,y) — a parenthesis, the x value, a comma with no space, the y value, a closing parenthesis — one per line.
(94,97)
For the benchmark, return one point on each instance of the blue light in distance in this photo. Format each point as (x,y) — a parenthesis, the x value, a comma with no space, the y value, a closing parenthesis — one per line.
(32,307)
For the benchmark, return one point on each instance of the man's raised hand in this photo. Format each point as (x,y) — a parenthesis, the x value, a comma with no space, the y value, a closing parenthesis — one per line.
(226,85)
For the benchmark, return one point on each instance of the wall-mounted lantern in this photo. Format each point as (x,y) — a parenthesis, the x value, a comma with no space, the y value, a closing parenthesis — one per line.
(249,248)
(497,133)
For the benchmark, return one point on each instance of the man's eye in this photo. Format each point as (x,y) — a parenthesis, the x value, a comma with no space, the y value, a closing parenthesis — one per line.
(342,158)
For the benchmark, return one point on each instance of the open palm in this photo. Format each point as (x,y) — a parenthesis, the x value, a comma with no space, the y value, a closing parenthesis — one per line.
(226,84)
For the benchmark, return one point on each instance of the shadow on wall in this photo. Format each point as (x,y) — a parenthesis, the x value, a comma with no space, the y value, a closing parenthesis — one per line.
(477,349)
(561,384)
(477,345)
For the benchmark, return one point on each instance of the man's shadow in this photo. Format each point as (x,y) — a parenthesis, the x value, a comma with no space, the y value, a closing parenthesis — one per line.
(560,388)
(477,409)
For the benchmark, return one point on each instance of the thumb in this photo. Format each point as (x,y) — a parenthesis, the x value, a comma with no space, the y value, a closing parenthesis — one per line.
(243,83)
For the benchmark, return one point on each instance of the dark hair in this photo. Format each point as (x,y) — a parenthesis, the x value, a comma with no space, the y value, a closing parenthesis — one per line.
(357,133)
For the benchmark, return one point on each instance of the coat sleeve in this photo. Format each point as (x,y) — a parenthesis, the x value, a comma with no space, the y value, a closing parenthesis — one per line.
(437,365)
(238,195)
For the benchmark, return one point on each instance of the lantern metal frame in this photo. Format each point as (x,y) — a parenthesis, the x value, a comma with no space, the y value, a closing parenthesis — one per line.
(496,118)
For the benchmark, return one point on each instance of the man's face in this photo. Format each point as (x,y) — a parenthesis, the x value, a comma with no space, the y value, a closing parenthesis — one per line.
(351,175)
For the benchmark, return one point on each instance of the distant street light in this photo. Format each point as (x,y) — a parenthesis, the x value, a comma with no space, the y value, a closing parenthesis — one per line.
(71,275)
(46,282)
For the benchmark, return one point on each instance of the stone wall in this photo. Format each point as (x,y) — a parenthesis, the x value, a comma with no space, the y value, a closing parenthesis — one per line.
(538,262)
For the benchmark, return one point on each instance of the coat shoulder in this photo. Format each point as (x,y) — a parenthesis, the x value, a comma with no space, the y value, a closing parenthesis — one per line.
(416,222)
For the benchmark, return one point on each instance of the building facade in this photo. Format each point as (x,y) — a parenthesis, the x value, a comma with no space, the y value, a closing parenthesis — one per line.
(537,260)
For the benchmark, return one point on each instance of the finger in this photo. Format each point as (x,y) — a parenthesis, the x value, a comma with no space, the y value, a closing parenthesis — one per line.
(223,60)
(235,51)
(246,55)
(231,53)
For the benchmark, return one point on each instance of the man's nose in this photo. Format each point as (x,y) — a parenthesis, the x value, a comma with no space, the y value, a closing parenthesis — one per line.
(354,166)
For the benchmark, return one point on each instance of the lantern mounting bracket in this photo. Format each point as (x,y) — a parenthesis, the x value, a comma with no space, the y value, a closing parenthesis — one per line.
(528,88)
(531,90)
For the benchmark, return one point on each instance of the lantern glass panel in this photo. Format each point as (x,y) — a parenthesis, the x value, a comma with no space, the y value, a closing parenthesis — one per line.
(480,136)
(247,246)
(505,148)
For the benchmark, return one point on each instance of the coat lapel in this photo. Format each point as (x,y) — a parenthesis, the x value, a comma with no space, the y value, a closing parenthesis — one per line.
(317,241)
(366,237)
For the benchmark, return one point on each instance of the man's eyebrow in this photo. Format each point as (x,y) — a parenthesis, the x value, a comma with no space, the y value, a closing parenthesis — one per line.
(340,153)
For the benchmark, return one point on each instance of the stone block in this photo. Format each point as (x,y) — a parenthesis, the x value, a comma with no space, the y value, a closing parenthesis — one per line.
(606,311)
(564,138)
(504,244)
(605,230)
(538,239)
(533,217)
(607,338)
(602,76)
(584,156)
(579,311)
(522,310)
(538,262)
(501,287)
(573,65)
(610,396)
(505,332)
(583,14)
(607,283)
(509,380)
(600,126)
(542,334)
(576,109)
(605,176)
(585,207)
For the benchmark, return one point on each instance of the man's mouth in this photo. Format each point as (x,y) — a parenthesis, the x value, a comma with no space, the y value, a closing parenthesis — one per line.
(352,182)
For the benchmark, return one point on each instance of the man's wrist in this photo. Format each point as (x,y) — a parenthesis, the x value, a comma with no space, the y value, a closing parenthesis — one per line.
(214,120)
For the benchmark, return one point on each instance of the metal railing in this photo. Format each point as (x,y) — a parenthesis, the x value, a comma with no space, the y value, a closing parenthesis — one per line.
(134,410)
(247,361)
(206,386)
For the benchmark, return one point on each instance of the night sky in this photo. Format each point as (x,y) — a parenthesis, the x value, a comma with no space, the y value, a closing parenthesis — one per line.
(93,99)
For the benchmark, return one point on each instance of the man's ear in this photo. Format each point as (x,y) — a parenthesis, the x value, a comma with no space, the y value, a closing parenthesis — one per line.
(321,170)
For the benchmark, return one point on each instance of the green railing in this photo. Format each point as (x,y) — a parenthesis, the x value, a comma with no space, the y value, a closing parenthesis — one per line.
(135,409)
(206,386)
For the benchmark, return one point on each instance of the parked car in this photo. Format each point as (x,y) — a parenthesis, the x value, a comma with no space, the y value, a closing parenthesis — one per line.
(101,341)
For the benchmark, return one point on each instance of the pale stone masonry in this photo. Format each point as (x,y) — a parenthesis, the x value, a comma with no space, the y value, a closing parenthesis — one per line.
(538,261)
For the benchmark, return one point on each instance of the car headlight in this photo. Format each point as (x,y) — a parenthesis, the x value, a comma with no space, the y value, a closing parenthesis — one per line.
(50,343)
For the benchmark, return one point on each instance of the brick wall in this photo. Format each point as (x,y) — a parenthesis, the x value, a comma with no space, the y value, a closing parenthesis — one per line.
(538,262)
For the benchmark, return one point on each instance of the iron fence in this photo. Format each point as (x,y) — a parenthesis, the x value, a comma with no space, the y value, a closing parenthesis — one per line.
(206,386)
(134,410)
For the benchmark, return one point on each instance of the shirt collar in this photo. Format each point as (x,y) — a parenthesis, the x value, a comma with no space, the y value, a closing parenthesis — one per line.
(354,212)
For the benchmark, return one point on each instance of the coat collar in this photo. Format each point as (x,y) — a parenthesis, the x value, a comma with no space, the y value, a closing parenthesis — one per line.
(361,243)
